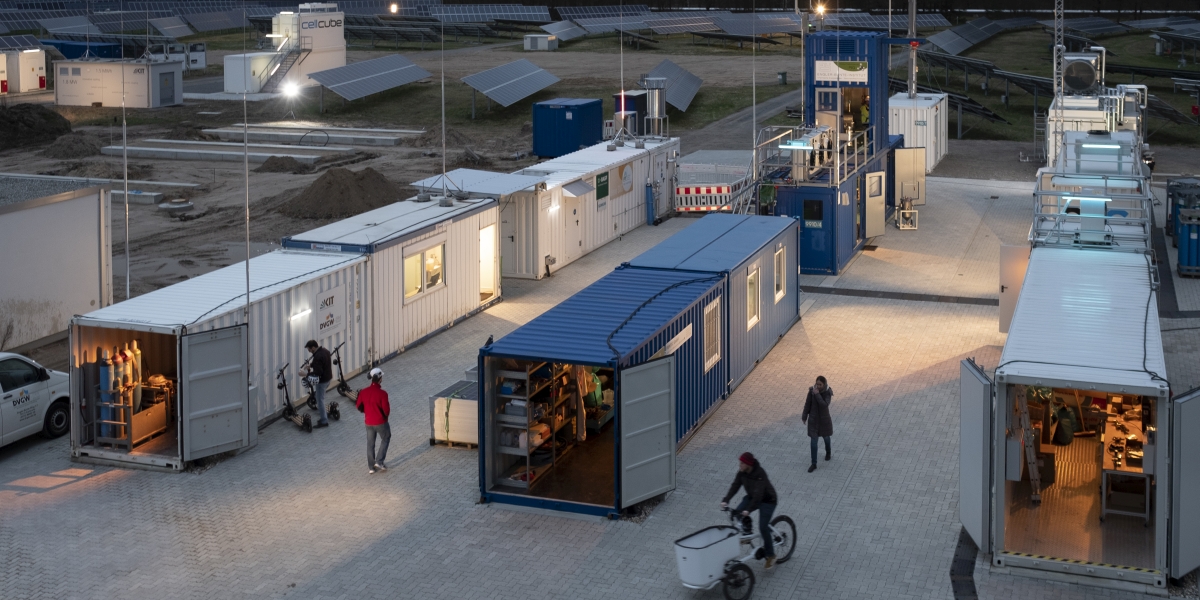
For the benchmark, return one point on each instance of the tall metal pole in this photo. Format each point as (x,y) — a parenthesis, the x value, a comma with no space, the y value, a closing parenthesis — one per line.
(912,49)
(1056,139)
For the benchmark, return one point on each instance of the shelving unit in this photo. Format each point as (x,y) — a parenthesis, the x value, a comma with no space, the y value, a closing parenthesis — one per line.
(542,397)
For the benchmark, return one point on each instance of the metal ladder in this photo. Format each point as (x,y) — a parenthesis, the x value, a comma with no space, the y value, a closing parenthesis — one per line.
(1035,478)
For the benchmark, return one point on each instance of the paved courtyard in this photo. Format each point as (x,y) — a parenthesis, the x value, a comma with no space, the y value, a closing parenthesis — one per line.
(298,516)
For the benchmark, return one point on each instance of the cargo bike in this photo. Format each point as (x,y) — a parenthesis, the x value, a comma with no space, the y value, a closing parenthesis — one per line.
(718,555)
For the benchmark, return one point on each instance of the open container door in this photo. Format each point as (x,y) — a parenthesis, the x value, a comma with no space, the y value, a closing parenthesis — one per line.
(214,397)
(1185,483)
(647,426)
(876,194)
(974,451)
(910,174)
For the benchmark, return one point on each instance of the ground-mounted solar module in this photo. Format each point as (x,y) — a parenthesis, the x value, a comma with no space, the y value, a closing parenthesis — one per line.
(949,42)
(480,13)
(564,30)
(69,25)
(595,12)
(19,42)
(682,84)
(215,21)
(756,26)
(1089,25)
(610,24)
(1016,23)
(509,83)
(667,26)
(361,79)
(1160,23)
(171,27)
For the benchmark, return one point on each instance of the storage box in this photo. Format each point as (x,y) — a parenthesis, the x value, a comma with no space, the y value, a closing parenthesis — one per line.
(701,556)
(454,414)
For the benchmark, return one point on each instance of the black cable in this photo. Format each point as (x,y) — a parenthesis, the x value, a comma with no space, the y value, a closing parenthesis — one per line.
(608,340)
(1180,329)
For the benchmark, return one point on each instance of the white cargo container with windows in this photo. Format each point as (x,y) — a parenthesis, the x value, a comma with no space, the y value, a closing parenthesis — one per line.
(591,197)
(428,266)
(205,375)
(139,83)
(1118,505)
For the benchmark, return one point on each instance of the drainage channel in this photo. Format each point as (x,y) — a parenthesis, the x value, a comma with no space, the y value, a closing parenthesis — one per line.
(900,296)
(962,568)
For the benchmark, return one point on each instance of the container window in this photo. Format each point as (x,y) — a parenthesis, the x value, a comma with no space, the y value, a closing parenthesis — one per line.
(780,274)
(712,334)
(827,100)
(424,271)
(814,210)
(412,275)
(433,267)
(752,298)
(75,71)
(63,70)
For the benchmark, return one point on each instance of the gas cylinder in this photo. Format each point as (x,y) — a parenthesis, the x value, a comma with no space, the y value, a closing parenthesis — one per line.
(106,396)
(137,377)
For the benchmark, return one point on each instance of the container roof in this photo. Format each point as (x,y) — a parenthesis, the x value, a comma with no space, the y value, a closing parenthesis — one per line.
(384,226)
(474,181)
(587,161)
(216,293)
(718,242)
(576,330)
(568,102)
(1082,320)
(901,100)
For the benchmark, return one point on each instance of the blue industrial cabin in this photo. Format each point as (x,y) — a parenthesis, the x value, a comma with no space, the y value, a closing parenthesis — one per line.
(836,174)
(563,125)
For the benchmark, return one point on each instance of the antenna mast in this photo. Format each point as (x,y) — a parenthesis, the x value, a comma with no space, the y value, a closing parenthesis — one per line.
(912,48)
(1059,48)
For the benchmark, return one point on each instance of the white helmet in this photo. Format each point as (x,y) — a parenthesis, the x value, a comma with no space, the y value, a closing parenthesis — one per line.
(376,373)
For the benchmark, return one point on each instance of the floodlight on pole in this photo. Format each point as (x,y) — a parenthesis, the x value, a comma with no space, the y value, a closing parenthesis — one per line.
(395,8)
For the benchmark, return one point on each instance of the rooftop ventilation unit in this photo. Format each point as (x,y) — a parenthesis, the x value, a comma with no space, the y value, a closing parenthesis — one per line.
(1082,73)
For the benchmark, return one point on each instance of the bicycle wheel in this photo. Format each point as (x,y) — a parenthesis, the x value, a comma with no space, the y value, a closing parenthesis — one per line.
(738,582)
(784,537)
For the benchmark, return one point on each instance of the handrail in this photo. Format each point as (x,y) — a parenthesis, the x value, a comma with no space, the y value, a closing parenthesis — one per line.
(280,52)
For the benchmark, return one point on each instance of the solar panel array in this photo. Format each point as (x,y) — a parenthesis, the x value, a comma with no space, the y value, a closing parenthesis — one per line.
(681,25)
(171,27)
(18,42)
(132,45)
(954,41)
(1016,23)
(1160,23)
(394,35)
(1090,25)
(509,83)
(215,21)
(594,12)
(69,25)
(479,13)
(610,24)
(682,84)
(3,28)
(362,79)
(564,30)
(756,26)
(27,20)
(880,22)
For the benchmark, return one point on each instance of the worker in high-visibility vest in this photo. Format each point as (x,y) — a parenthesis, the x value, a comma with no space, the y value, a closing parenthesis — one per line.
(866,113)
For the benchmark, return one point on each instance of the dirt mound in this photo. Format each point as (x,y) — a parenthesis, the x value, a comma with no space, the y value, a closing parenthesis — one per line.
(283,164)
(74,145)
(433,139)
(340,193)
(469,159)
(30,124)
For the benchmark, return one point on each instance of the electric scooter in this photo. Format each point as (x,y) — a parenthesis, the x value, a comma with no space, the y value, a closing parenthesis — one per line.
(304,422)
(331,408)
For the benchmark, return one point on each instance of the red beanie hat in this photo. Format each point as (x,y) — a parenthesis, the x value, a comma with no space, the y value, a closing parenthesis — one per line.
(747,458)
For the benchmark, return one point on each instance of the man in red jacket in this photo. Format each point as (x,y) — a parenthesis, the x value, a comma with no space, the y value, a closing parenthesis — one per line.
(373,403)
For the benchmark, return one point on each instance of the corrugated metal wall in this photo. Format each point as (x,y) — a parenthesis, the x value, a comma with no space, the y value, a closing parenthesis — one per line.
(275,339)
(519,236)
(398,324)
(748,346)
(697,391)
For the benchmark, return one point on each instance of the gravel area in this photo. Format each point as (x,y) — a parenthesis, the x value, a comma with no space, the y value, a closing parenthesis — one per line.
(14,190)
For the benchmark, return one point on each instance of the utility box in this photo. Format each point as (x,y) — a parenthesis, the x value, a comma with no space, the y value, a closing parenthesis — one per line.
(564,125)
(924,122)
(541,42)
(246,73)
(145,84)
(632,101)
(26,70)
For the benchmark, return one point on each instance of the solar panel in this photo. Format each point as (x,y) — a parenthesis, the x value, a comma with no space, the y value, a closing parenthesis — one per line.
(564,30)
(609,24)
(121,21)
(753,39)
(1016,23)
(171,27)
(19,42)
(3,28)
(477,13)
(949,42)
(1090,25)
(69,25)
(509,83)
(682,85)
(391,34)
(880,22)
(756,26)
(1160,22)
(681,25)
(368,77)
(595,12)
(215,21)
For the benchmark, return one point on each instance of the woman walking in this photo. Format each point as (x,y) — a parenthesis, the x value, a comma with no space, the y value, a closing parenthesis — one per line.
(816,414)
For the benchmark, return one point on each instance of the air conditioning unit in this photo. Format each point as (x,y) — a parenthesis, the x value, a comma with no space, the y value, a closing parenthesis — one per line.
(1081,72)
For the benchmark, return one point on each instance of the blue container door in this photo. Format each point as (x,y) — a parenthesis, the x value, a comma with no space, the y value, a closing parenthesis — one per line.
(815,207)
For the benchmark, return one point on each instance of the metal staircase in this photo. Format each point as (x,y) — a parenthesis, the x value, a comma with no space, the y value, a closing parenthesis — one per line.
(286,62)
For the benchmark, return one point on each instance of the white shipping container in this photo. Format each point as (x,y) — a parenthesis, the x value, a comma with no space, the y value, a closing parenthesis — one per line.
(246,73)
(295,296)
(321,35)
(26,70)
(59,251)
(138,83)
(591,197)
(458,245)
(541,42)
(3,77)
(924,122)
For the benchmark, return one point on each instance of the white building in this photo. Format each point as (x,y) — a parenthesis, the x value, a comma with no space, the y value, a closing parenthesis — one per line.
(26,70)
(141,83)
(308,41)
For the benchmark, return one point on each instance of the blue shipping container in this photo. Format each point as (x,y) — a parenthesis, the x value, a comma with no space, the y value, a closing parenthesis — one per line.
(841,60)
(741,247)
(622,324)
(72,50)
(563,125)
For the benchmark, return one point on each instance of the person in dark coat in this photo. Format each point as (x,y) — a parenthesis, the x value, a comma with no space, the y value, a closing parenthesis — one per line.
(816,414)
(760,496)
(320,373)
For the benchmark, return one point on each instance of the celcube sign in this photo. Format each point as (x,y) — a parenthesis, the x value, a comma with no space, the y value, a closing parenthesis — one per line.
(320,23)
(330,311)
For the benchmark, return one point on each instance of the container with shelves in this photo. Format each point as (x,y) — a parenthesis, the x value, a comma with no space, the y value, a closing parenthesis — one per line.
(525,402)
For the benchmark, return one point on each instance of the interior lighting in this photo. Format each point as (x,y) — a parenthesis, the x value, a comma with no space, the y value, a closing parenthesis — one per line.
(291,90)
(301,314)
(395,8)
(287,12)
(1105,146)
(1086,198)
(795,145)
(33,50)
(274,35)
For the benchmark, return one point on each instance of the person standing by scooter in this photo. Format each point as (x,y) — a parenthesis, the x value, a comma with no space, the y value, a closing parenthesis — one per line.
(760,496)
(320,373)
(373,403)
(816,414)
